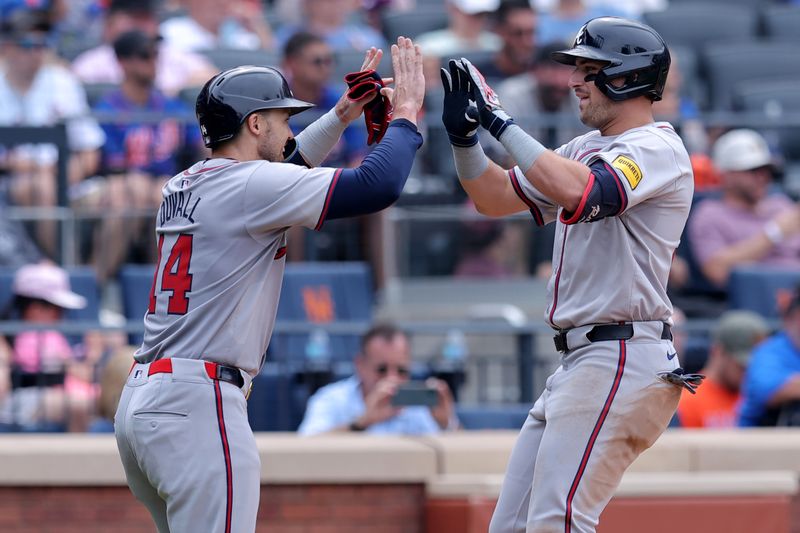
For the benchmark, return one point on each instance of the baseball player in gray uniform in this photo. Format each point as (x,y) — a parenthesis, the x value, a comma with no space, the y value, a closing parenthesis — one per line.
(619,197)
(181,425)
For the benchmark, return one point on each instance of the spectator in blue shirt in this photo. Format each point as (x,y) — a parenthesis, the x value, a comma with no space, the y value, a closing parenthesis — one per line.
(139,154)
(363,402)
(330,19)
(772,382)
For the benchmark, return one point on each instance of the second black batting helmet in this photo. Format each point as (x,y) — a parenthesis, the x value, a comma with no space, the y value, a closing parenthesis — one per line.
(632,50)
(229,97)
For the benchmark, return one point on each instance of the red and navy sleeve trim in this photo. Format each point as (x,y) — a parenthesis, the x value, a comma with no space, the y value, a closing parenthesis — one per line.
(604,196)
(534,209)
(328,197)
(578,214)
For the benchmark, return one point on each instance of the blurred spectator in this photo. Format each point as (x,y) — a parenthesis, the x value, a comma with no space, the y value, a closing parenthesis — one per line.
(16,245)
(139,156)
(716,403)
(52,386)
(540,101)
(466,30)
(330,19)
(11,9)
(209,24)
(80,27)
(176,68)
(363,402)
(308,64)
(772,382)
(492,249)
(676,106)
(515,23)
(747,224)
(630,8)
(113,375)
(563,20)
(37,91)
(543,90)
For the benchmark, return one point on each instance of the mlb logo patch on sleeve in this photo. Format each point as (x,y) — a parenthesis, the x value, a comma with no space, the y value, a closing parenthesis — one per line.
(629,169)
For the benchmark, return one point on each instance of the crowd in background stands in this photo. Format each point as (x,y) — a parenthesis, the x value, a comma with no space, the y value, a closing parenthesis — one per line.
(122,76)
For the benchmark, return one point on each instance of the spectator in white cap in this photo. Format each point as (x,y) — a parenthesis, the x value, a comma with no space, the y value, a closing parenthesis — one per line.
(46,284)
(52,389)
(749,224)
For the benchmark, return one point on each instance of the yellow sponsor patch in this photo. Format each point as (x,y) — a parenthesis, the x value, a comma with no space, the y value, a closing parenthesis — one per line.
(629,169)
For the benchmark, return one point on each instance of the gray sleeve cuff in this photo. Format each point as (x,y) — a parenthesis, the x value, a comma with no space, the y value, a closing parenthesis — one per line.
(471,162)
(319,138)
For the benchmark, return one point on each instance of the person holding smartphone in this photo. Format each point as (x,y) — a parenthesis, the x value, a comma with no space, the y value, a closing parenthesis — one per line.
(379,398)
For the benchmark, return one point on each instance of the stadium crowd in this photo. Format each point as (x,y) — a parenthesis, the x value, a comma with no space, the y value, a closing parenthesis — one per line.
(121,77)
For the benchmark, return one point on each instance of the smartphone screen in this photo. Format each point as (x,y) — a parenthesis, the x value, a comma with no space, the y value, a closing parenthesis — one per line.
(415,394)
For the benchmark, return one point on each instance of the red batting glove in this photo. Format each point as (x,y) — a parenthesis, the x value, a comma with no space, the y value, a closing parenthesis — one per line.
(366,85)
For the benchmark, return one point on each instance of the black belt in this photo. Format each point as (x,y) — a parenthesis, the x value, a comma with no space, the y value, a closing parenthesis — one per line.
(606,332)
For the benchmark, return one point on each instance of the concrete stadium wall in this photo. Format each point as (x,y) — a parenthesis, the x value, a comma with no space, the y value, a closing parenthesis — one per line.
(692,481)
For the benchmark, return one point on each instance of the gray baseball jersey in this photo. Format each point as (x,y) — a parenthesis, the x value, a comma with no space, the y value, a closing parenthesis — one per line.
(655,175)
(222,241)
(221,234)
(606,403)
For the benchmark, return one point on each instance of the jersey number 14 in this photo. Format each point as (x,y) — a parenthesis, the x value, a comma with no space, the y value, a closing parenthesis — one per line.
(175,277)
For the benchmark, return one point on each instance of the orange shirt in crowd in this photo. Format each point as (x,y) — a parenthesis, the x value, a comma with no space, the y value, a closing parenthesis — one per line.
(713,406)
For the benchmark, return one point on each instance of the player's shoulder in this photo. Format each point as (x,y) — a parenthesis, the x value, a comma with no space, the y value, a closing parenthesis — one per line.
(591,141)
(653,134)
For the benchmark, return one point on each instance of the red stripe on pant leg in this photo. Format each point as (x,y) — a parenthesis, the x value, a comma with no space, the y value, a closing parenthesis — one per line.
(599,424)
(227,453)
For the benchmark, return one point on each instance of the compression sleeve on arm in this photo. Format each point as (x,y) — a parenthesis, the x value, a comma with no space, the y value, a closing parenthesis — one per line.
(318,139)
(522,147)
(378,181)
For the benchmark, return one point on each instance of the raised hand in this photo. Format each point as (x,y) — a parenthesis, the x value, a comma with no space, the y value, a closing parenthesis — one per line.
(409,82)
(490,113)
(460,127)
(348,108)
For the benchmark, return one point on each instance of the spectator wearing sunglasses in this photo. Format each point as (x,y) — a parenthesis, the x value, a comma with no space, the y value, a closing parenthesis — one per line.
(515,23)
(139,154)
(176,68)
(363,402)
(308,63)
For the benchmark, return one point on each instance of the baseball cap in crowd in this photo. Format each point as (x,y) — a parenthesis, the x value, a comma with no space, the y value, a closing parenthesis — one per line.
(49,283)
(741,149)
(737,332)
(136,43)
(473,7)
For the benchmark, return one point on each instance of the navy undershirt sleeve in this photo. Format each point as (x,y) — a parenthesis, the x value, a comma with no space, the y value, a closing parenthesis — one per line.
(378,181)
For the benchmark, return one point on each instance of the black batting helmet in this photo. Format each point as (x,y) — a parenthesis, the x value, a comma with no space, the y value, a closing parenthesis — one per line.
(226,99)
(631,50)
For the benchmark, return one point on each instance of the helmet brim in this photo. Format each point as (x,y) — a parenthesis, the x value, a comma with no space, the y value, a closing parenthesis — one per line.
(293,105)
(571,55)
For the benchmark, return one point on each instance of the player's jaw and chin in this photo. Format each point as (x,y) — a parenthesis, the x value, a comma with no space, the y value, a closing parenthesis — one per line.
(273,138)
(595,109)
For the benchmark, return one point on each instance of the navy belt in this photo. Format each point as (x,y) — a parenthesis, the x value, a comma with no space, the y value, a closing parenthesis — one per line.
(606,332)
